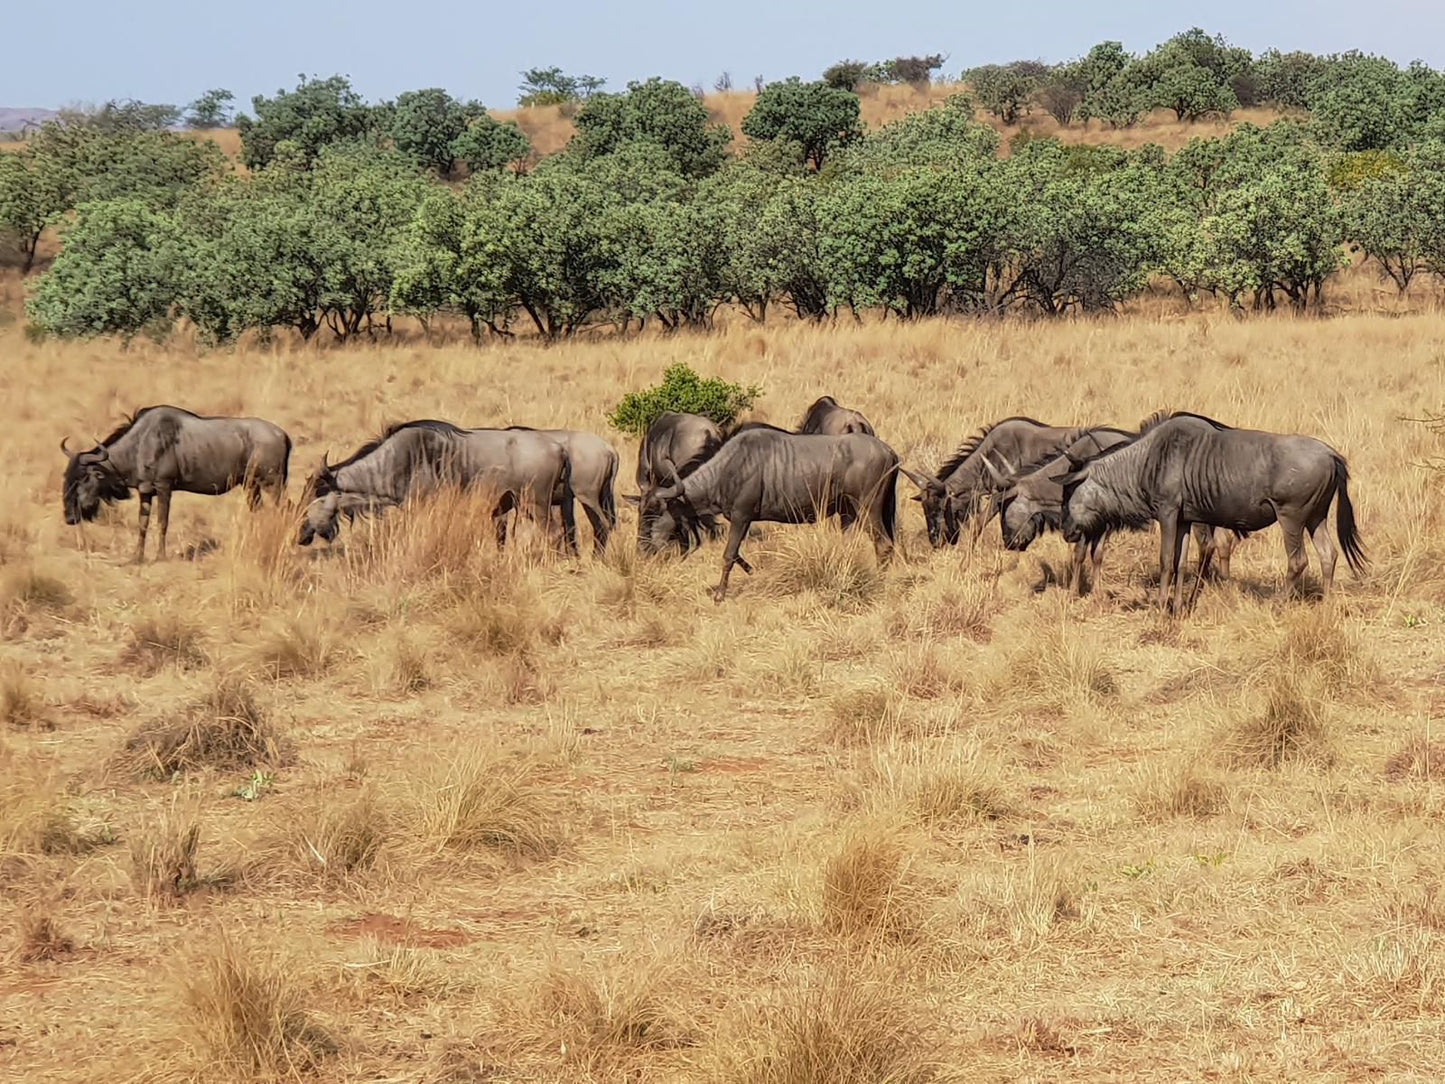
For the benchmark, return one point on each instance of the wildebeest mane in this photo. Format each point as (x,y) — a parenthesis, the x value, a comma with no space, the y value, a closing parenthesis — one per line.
(969,446)
(748,427)
(1154,421)
(126,426)
(392,430)
(1048,457)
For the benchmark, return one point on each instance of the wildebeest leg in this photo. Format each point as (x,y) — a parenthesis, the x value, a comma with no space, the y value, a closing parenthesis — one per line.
(165,511)
(1096,561)
(499,518)
(1170,545)
(737,531)
(1075,582)
(145,522)
(601,529)
(878,528)
(1224,543)
(569,522)
(1294,552)
(1320,535)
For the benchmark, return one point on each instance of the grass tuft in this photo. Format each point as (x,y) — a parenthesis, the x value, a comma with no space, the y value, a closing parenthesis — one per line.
(1180,789)
(297,647)
(163,856)
(246,1015)
(1419,758)
(1286,725)
(867,889)
(618,1011)
(20,703)
(862,715)
(324,840)
(478,803)
(838,569)
(224,730)
(162,641)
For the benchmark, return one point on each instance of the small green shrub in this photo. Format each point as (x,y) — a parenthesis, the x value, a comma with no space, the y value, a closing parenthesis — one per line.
(684,391)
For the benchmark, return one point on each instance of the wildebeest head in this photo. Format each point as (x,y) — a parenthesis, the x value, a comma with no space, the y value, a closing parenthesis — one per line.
(1083,506)
(89,481)
(322,520)
(1020,520)
(665,519)
(322,482)
(938,512)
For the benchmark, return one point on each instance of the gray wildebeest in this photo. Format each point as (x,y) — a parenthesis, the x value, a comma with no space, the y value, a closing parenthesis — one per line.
(594,470)
(827,418)
(1030,503)
(952,495)
(162,450)
(522,468)
(1189,469)
(674,446)
(762,474)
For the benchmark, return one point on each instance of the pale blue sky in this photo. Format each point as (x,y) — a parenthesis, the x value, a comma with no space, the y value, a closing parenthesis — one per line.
(172,50)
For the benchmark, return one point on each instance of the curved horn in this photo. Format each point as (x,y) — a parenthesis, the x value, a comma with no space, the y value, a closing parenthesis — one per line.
(988,464)
(64,441)
(101,452)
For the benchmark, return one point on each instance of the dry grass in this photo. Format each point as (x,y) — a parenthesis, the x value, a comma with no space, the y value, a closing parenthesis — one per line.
(245,1015)
(937,819)
(225,730)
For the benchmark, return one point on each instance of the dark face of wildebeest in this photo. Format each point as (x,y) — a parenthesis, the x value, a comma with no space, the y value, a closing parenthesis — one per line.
(322,520)
(939,514)
(1083,508)
(1020,519)
(89,481)
(666,521)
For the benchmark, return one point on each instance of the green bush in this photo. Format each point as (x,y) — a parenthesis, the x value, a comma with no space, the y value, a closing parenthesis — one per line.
(684,391)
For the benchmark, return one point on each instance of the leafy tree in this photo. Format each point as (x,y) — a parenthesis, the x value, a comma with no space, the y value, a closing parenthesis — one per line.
(1288,79)
(551,86)
(210,109)
(489,144)
(1362,103)
(1193,75)
(442,267)
(1113,91)
(426,125)
(684,391)
(658,111)
(317,113)
(1002,89)
(119,272)
(123,116)
(914,70)
(943,135)
(32,196)
(817,117)
(1391,211)
(847,74)
(1062,90)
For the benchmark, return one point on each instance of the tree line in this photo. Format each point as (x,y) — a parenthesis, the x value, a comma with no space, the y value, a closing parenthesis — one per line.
(350,213)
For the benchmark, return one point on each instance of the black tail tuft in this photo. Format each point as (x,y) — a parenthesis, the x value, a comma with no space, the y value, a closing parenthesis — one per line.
(1345,529)
(889,512)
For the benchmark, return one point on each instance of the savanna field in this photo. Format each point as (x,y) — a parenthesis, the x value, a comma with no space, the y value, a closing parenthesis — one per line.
(409,808)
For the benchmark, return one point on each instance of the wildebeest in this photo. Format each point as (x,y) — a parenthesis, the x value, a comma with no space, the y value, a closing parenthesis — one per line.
(524,468)
(674,446)
(594,469)
(1030,502)
(771,475)
(826,417)
(162,450)
(1189,469)
(951,496)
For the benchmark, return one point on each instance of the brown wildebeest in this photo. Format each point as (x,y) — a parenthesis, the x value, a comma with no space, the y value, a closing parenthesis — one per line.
(1190,469)
(523,468)
(594,469)
(771,475)
(162,450)
(827,418)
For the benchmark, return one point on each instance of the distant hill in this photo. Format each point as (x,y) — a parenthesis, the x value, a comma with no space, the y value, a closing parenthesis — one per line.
(14,119)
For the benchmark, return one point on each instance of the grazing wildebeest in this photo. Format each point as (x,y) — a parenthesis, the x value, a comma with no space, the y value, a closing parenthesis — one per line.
(951,496)
(771,475)
(523,468)
(674,446)
(594,469)
(1030,502)
(162,450)
(826,417)
(1189,469)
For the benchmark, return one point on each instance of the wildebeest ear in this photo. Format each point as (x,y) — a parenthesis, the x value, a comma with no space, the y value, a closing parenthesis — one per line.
(634,499)
(1068,479)
(917,497)
(922,481)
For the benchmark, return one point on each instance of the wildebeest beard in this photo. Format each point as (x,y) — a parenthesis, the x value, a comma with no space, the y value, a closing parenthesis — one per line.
(669,521)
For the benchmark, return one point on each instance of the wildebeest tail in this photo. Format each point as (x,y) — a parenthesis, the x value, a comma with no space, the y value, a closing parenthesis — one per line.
(1345,529)
(889,512)
(608,497)
(286,463)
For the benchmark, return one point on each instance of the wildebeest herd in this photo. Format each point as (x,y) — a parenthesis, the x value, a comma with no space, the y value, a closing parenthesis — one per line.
(1185,472)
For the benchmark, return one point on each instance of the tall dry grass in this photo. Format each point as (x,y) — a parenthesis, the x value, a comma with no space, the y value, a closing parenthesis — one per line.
(939,816)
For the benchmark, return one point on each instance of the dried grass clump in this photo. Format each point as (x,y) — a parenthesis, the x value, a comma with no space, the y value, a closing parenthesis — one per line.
(163,856)
(867,887)
(1319,641)
(35,816)
(40,938)
(401,974)
(20,703)
(612,1013)
(865,714)
(838,569)
(1054,666)
(922,673)
(165,640)
(1181,789)
(963,609)
(940,788)
(1286,724)
(246,1015)
(25,590)
(224,730)
(479,803)
(843,1025)
(1029,903)
(1419,759)
(297,647)
(1401,974)
(410,666)
(323,840)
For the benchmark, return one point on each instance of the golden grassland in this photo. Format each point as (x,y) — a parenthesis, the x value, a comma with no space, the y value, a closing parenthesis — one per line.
(409,808)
